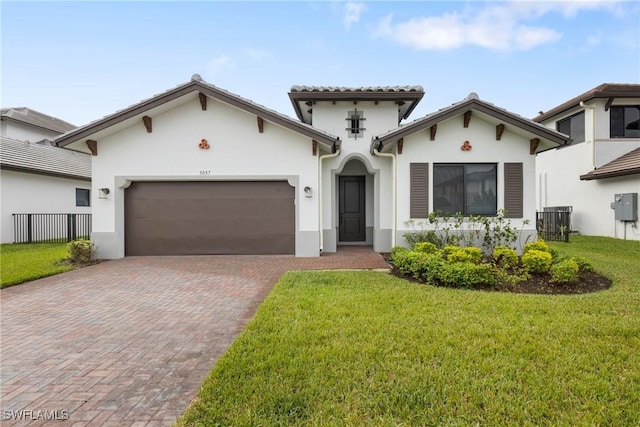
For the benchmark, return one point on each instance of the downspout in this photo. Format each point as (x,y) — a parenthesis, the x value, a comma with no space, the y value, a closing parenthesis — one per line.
(320,225)
(593,132)
(393,193)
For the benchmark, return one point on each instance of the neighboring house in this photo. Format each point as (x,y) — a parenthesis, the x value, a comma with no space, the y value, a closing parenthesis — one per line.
(199,170)
(602,161)
(36,177)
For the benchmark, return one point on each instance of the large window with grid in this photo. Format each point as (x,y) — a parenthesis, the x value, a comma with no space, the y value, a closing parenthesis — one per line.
(469,189)
(624,121)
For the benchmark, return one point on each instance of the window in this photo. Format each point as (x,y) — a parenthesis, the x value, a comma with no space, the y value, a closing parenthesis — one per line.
(573,126)
(624,121)
(83,197)
(466,188)
(354,122)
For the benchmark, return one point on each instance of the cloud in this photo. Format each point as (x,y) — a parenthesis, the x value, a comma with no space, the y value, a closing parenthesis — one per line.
(352,11)
(219,63)
(257,54)
(504,26)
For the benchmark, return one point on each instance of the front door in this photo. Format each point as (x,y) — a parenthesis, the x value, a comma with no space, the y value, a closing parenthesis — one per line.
(352,227)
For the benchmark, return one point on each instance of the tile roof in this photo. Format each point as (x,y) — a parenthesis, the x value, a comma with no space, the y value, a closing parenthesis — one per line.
(302,97)
(36,118)
(627,164)
(605,90)
(43,158)
(472,101)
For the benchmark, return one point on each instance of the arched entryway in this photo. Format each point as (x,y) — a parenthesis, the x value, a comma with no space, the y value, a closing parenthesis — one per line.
(355,212)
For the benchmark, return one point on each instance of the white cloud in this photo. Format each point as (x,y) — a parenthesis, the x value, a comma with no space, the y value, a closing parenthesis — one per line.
(504,26)
(352,12)
(257,54)
(219,63)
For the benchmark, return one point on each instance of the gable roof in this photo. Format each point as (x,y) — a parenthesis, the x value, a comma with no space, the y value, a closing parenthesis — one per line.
(626,164)
(36,119)
(43,158)
(196,85)
(605,90)
(471,102)
(302,97)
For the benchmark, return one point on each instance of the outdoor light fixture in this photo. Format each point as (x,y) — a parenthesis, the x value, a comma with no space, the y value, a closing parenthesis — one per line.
(102,193)
(307,191)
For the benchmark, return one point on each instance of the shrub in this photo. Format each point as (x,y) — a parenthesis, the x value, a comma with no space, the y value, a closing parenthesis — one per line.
(80,251)
(414,263)
(457,254)
(474,254)
(584,265)
(505,257)
(536,261)
(565,271)
(466,275)
(425,247)
(431,269)
(397,251)
(539,245)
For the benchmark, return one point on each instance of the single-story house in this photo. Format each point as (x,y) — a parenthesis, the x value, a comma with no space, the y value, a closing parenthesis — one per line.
(199,170)
(35,176)
(601,167)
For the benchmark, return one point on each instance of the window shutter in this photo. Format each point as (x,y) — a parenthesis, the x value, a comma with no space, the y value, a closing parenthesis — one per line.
(419,197)
(513,190)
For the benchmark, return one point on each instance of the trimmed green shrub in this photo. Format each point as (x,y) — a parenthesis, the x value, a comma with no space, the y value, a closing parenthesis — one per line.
(536,261)
(565,271)
(474,254)
(457,254)
(426,247)
(397,251)
(584,265)
(539,245)
(414,263)
(80,251)
(466,275)
(505,257)
(431,268)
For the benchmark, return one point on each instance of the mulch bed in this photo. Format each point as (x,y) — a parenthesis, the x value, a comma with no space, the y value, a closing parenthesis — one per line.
(539,284)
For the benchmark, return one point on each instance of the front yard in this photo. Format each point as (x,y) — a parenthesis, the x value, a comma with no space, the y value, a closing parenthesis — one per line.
(21,263)
(354,348)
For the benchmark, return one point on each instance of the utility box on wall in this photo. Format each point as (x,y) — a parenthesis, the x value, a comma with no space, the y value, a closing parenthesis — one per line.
(625,206)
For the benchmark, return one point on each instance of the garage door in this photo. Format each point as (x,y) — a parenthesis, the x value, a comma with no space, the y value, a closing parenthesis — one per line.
(202,218)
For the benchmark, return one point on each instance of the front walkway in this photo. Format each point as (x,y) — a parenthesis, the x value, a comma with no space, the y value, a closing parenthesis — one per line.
(129,341)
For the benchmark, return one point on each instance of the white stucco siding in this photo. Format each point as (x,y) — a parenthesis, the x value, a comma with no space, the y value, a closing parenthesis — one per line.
(24,132)
(32,193)
(446,148)
(171,152)
(379,118)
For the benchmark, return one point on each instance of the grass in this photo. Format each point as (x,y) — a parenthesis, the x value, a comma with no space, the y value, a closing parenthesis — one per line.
(367,348)
(21,263)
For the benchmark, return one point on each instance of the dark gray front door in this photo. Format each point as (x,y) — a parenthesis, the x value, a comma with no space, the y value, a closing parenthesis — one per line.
(352,227)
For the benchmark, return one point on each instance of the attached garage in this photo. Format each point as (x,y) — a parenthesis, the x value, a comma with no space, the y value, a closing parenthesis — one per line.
(209,218)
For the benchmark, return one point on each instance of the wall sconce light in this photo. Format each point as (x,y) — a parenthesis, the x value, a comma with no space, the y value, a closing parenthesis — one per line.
(102,193)
(307,191)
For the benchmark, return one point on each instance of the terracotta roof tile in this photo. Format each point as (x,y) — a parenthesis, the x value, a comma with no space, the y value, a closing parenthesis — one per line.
(627,164)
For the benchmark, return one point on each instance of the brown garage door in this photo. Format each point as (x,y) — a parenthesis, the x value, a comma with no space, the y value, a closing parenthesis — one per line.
(201,218)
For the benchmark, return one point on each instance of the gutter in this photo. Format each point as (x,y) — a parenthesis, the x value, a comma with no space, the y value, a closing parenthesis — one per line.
(320,224)
(593,132)
(394,195)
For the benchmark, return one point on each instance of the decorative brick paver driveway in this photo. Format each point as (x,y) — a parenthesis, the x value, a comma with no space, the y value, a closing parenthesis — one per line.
(129,341)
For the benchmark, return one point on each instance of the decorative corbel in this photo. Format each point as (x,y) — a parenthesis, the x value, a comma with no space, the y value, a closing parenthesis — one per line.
(432,131)
(499,131)
(260,125)
(608,104)
(400,145)
(203,101)
(93,146)
(147,123)
(314,147)
(533,145)
(467,118)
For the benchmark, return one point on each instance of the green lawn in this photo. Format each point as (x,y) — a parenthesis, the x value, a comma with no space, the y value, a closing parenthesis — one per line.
(23,262)
(366,348)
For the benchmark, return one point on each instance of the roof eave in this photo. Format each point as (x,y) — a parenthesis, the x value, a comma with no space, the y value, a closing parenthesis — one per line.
(593,175)
(44,172)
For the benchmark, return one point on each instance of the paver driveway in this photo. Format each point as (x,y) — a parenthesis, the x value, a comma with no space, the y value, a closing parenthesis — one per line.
(129,341)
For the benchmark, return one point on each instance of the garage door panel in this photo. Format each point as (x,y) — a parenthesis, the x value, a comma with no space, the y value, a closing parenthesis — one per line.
(193,218)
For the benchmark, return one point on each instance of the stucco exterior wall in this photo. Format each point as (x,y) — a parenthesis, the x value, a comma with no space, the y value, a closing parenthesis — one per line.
(31,193)
(558,174)
(24,132)
(170,152)
(446,148)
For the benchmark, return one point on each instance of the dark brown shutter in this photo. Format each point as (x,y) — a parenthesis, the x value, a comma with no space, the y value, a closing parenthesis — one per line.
(513,190)
(419,198)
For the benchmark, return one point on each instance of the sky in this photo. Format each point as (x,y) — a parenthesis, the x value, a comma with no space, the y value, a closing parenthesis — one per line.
(80,61)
